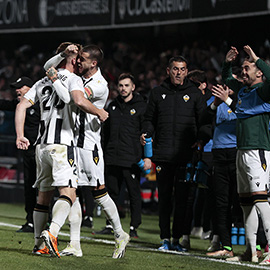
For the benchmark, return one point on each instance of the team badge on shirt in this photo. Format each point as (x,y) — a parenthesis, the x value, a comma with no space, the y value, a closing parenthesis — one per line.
(186,98)
(229,111)
(239,101)
(163,96)
(158,169)
(88,92)
(95,155)
(132,111)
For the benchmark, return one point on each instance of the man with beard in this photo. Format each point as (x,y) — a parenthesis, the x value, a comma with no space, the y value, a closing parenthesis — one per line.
(253,142)
(122,147)
(88,144)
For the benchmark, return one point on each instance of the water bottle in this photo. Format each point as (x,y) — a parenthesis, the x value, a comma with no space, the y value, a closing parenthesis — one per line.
(141,164)
(148,151)
(242,238)
(234,236)
(200,174)
(189,172)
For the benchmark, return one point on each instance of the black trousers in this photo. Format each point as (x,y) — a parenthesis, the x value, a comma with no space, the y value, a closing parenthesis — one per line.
(114,177)
(225,192)
(30,193)
(176,198)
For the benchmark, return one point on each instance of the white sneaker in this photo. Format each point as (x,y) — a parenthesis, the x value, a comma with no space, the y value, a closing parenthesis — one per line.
(246,257)
(266,260)
(71,251)
(206,235)
(120,245)
(197,232)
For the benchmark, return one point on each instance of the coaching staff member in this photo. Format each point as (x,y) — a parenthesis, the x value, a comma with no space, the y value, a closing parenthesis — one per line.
(21,86)
(123,149)
(172,116)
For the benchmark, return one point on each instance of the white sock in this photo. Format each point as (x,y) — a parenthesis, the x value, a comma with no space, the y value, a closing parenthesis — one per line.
(264,209)
(75,220)
(60,212)
(251,225)
(40,220)
(111,212)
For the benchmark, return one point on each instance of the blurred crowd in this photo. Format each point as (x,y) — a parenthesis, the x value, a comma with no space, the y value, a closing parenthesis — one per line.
(148,65)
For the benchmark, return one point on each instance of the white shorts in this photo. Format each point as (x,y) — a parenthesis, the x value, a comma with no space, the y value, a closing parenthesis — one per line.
(90,167)
(252,170)
(55,167)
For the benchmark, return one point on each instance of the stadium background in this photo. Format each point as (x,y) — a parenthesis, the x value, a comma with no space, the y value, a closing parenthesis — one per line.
(136,35)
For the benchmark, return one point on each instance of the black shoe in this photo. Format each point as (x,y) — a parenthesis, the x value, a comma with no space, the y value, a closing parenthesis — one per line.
(87,222)
(133,233)
(106,230)
(27,227)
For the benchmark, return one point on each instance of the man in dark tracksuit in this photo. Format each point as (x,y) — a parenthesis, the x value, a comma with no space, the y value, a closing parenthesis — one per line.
(22,85)
(122,146)
(172,116)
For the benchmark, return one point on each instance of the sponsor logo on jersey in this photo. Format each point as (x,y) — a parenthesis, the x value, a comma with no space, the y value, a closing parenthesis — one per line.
(132,111)
(186,98)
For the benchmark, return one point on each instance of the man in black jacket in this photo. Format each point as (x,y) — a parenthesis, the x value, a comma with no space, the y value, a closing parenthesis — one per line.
(21,86)
(122,146)
(172,116)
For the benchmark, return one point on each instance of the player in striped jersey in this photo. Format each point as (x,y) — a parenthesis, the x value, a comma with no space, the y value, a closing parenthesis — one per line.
(54,151)
(87,140)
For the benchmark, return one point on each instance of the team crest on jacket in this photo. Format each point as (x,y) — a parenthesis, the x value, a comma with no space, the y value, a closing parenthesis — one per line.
(163,96)
(229,111)
(158,169)
(186,98)
(113,108)
(239,101)
(132,111)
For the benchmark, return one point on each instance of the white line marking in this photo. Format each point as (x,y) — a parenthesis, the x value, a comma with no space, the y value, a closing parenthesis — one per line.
(155,250)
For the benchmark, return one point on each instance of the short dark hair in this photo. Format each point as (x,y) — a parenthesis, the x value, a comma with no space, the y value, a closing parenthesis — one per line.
(197,76)
(95,53)
(126,76)
(177,58)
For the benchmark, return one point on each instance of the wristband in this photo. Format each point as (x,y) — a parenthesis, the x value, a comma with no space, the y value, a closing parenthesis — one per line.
(228,101)
(213,106)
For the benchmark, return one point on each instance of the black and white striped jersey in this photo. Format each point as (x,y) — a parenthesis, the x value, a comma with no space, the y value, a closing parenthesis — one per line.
(57,123)
(88,125)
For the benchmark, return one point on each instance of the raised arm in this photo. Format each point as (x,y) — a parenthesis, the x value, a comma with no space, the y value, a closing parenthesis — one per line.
(60,89)
(58,58)
(227,76)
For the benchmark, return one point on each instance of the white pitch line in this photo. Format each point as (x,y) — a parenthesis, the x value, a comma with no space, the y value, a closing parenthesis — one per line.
(155,250)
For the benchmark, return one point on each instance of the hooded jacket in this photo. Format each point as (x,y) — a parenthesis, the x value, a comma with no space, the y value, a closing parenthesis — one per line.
(122,131)
(172,116)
